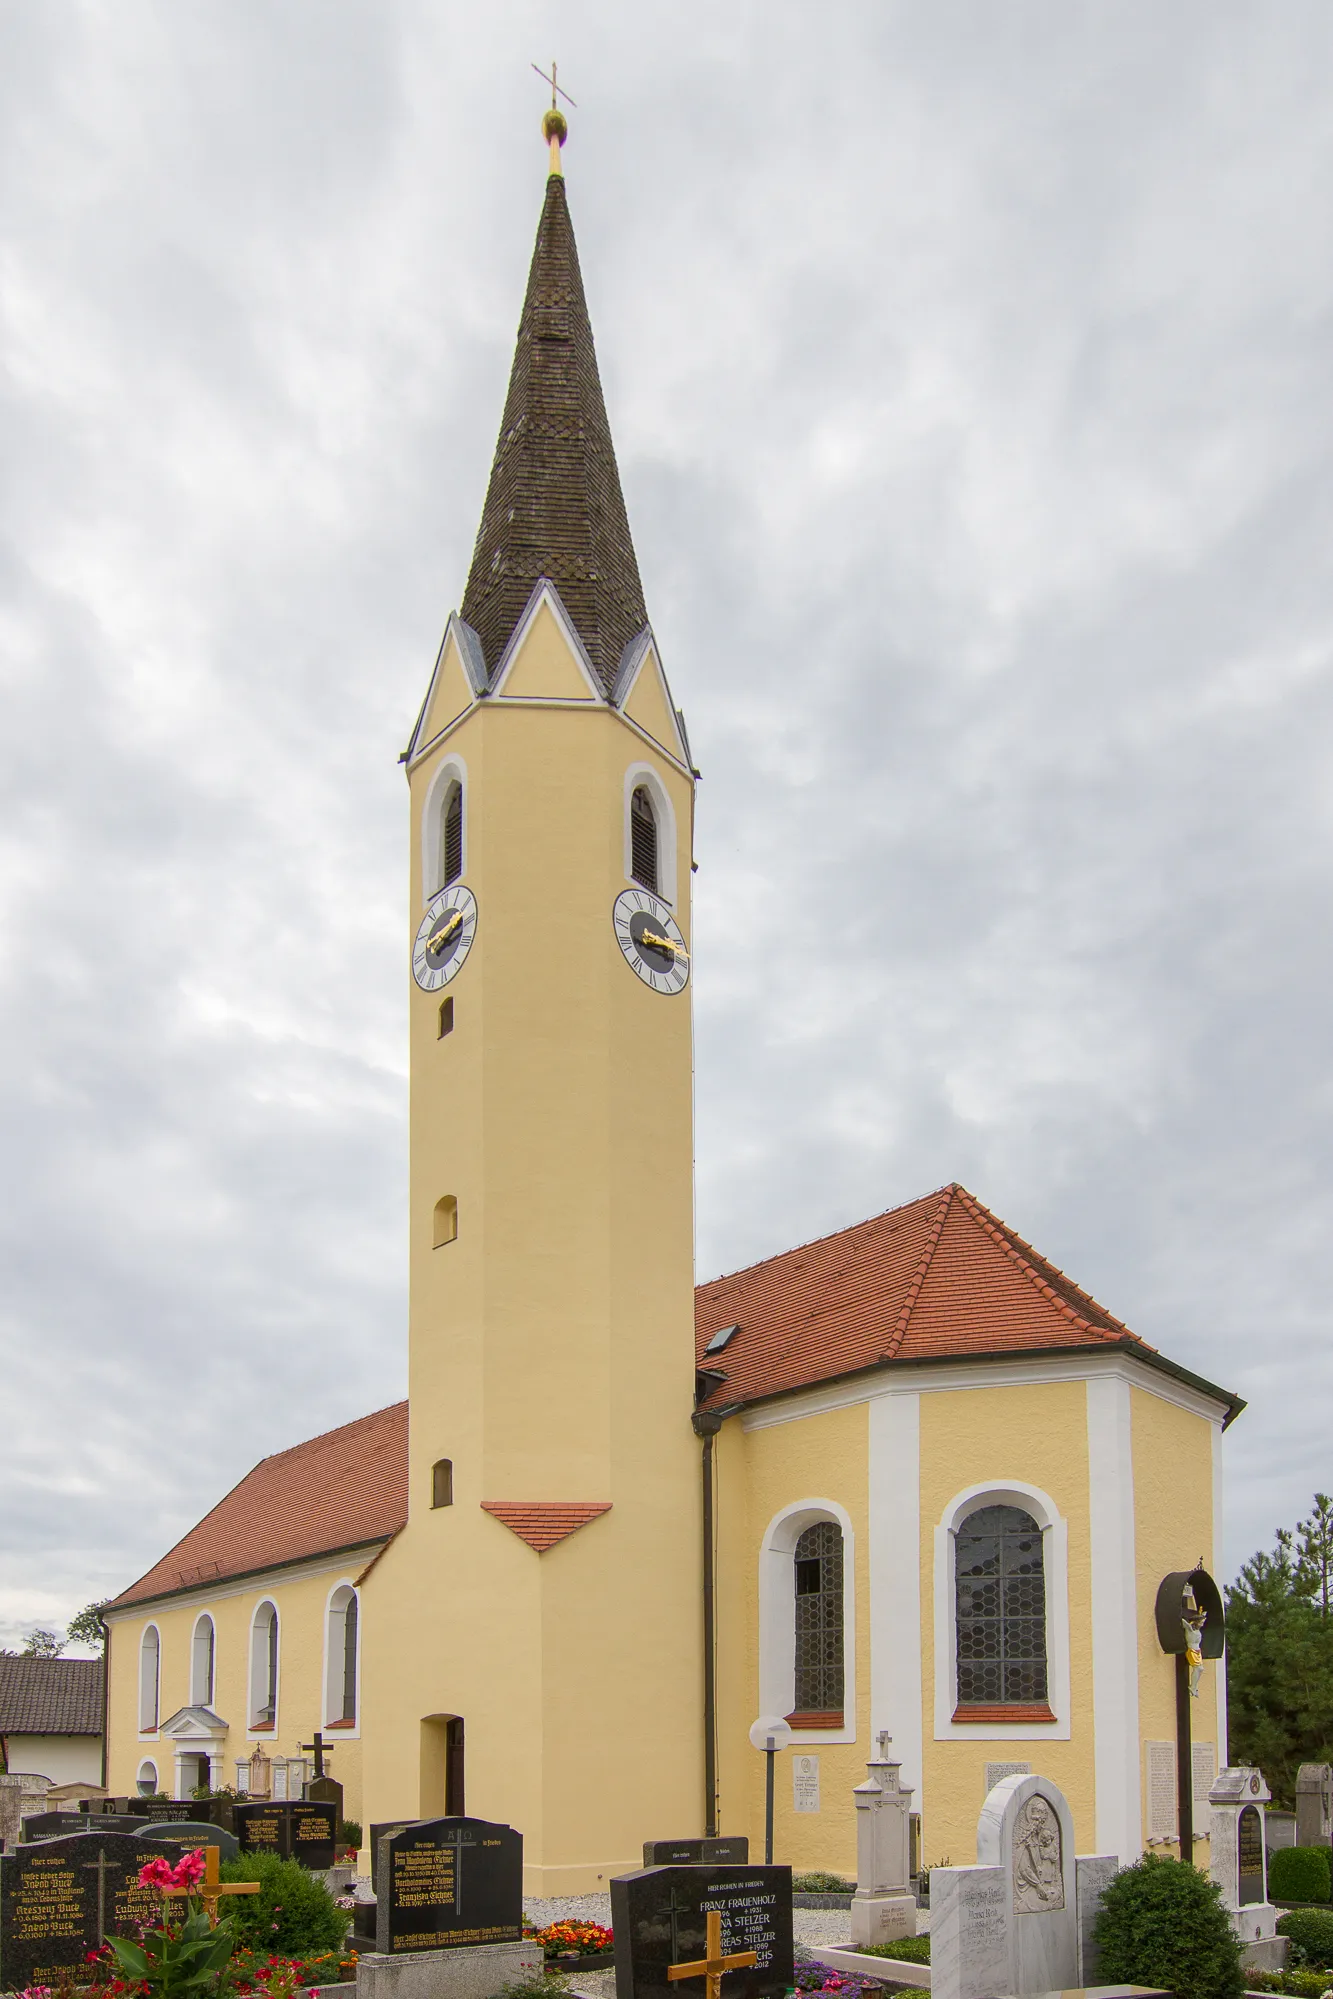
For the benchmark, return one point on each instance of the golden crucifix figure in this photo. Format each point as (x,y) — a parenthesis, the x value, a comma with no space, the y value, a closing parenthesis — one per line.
(711,1967)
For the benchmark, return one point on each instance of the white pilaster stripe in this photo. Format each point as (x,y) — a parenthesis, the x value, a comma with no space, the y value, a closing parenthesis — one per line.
(1223,1754)
(1115,1651)
(895,1579)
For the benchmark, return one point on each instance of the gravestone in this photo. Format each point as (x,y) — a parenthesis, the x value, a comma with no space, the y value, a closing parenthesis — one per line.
(19,1793)
(1314,1796)
(164,1811)
(52,1825)
(60,1898)
(1021,1919)
(379,1832)
(449,1883)
(660,1918)
(1238,1863)
(733,1851)
(883,1907)
(201,1833)
(291,1830)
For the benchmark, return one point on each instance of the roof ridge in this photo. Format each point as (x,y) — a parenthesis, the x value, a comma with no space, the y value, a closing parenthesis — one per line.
(927,1257)
(1023,1254)
(830,1235)
(338,1430)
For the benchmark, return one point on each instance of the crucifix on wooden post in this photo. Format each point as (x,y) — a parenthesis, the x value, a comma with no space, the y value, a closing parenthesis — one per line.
(210,1888)
(318,1746)
(711,1967)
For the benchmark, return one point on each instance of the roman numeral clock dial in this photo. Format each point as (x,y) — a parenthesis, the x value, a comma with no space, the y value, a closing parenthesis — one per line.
(650,938)
(444,937)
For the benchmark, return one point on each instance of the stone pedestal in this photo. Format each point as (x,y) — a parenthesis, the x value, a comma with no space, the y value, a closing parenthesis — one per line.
(883,1907)
(1238,1862)
(478,1972)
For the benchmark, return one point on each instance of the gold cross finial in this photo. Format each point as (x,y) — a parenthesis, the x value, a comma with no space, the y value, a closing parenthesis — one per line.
(711,1967)
(554,125)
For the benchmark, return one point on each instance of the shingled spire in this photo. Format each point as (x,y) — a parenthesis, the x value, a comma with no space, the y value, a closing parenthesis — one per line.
(554,507)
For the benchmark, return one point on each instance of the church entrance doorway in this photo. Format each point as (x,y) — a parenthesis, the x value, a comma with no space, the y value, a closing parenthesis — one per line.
(442,1766)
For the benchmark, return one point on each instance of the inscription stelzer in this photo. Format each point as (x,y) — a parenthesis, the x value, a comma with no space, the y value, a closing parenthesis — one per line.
(446,1883)
(61,1898)
(660,1918)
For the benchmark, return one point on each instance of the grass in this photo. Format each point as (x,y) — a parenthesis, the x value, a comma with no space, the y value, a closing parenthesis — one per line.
(908,1950)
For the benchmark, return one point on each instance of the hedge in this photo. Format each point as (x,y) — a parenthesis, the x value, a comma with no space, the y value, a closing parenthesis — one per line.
(1299,1874)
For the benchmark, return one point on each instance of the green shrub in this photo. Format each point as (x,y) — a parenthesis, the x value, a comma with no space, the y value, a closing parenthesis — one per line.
(1162,1923)
(1311,1935)
(820,1882)
(539,1985)
(908,1950)
(349,1832)
(1299,1874)
(1296,1984)
(293,1914)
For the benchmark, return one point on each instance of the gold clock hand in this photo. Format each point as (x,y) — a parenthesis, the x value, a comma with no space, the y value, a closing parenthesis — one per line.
(442,936)
(663,944)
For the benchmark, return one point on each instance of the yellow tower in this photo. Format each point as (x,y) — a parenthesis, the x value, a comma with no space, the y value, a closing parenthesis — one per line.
(532,1646)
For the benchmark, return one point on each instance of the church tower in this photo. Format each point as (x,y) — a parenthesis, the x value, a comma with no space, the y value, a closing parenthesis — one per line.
(532,1640)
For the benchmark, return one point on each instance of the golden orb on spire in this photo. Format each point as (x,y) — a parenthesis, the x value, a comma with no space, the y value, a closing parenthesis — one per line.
(555,126)
(555,129)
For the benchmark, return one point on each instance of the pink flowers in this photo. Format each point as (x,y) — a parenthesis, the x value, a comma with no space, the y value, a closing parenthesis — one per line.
(187,1873)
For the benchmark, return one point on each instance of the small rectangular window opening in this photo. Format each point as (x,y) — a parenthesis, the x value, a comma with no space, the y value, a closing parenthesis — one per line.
(719,1340)
(442,1483)
(807,1577)
(446,1018)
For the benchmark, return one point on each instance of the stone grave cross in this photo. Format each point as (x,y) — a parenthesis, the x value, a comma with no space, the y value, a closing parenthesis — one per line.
(210,1888)
(98,1867)
(711,1967)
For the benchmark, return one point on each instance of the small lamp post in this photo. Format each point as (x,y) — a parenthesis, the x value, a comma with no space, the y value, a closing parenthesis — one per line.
(770,1733)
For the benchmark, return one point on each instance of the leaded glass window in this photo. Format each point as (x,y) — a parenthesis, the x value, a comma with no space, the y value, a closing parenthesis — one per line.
(1001,1596)
(818,1561)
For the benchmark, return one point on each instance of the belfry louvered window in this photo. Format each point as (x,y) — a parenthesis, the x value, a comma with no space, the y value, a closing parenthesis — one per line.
(643,840)
(453,837)
(1000,1587)
(819,1660)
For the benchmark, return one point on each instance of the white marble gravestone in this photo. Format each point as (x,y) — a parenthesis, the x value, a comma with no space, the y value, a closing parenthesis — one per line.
(883,1907)
(1021,1920)
(1238,1862)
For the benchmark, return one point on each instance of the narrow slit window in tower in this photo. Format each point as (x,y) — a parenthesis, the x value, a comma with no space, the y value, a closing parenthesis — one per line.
(446,1220)
(643,840)
(442,1482)
(446,1018)
(453,836)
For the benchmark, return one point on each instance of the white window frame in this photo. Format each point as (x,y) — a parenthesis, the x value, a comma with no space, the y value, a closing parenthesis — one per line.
(147,1764)
(777,1615)
(252,1681)
(149,1731)
(198,1699)
(644,774)
(333,1657)
(451,770)
(1055,1567)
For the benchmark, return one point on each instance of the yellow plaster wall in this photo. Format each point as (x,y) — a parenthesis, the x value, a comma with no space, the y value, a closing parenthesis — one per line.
(1173,1527)
(759,1476)
(649,707)
(1035,1433)
(302,1610)
(450,695)
(544,667)
(551,1344)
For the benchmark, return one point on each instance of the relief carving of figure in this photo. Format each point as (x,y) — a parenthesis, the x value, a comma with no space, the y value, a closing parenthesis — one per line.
(1038,1859)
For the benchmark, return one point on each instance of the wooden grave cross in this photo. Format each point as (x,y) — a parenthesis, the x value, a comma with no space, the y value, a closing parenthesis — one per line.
(210,1888)
(711,1967)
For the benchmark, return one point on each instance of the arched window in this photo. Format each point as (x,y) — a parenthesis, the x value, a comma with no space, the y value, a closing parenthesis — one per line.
(442,1482)
(340,1707)
(1000,1584)
(201,1663)
(146,1781)
(264,1668)
(150,1660)
(445,1226)
(819,1623)
(643,840)
(451,836)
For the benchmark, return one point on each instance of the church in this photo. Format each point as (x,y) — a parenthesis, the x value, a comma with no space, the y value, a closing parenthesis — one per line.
(909,1477)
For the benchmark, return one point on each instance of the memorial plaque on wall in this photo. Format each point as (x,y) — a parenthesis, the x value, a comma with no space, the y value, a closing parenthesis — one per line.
(60,1898)
(1249,1856)
(660,1918)
(447,1883)
(733,1851)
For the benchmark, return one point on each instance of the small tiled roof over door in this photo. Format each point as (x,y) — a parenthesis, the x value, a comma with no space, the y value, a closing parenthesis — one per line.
(938,1279)
(345,1489)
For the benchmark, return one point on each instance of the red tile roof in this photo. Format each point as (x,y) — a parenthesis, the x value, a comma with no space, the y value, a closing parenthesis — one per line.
(50,1696)
(341,1490)
(938,1279)
(543,1522)
(941,1279)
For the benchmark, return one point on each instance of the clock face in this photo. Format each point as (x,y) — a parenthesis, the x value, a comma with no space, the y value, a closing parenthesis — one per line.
(650,938)
(444,937)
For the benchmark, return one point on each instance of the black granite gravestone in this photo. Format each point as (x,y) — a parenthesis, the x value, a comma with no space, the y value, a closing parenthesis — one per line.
(60,1898)
(734,1851)
(447,1883)
(52,1825)
(379,1832)
(660,1918)
(158,1811)
(201,1833)
(291,1829)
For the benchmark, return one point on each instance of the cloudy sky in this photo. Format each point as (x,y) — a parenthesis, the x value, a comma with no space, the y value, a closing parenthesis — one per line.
(969,371)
